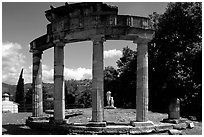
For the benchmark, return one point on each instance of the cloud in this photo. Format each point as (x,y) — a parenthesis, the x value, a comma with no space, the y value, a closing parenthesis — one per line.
(112,53)
(47,74)
(12,62)
(77,74)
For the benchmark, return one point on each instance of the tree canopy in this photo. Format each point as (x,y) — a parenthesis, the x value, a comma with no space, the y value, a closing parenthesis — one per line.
(175,62)
(175,54)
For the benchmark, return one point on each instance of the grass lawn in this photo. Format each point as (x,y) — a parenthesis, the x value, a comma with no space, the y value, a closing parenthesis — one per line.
(14,124)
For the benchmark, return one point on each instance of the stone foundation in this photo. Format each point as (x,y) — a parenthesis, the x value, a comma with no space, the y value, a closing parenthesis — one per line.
(110,128)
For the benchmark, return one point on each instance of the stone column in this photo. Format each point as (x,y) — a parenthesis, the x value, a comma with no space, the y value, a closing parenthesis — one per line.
(59,96)
(142,81)
(97,83)
(37,101)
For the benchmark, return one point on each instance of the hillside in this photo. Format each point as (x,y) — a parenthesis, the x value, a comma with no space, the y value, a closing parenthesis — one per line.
(11,89)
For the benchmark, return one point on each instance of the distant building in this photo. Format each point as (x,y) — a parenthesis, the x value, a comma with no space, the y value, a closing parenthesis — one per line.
(8,106)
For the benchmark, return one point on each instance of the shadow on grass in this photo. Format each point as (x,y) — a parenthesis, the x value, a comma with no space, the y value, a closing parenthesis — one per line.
(13,129)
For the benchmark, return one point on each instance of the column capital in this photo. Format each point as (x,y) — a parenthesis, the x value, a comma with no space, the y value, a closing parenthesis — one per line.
(141,40)
(98,38)
(59,43)
(37,52)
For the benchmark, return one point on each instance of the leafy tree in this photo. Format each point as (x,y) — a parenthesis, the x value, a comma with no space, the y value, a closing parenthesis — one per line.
(127,66)
(110,73)
(110,82)
(70,91)
(154,17)
(20,99)
(85,98)
(46,104)
(28,99)
(175,54)
(29,96)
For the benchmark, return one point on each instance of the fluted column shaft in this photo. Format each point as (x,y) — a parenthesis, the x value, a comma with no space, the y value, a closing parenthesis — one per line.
(59,96)
(97,85)
(142,81)
(37,100)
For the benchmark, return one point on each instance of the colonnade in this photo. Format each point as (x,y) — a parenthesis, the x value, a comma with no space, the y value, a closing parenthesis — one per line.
(97,83)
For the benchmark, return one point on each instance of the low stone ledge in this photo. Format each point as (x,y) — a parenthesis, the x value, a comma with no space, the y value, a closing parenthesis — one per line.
(174,121)
(141,124)
(174,132)
(81,128)
(180,126)
(141,130)
(78,124)
(163,127)
(38,124)
(96,124)
(117,123)
(38,118)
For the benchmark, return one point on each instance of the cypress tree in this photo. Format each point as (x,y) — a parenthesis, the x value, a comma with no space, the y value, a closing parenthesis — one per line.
(20,92)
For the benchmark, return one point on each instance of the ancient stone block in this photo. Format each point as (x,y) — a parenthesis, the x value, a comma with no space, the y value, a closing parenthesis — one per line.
(174,132)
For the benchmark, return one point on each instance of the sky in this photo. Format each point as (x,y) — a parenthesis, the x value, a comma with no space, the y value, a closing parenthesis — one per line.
(22,22)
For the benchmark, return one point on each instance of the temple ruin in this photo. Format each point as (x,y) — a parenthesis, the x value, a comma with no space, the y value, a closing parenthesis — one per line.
(96,22)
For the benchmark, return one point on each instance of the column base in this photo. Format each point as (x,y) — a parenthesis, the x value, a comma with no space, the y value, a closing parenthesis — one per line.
(174,121)
(59,122)
(96,124)
(141,124)
(32,118)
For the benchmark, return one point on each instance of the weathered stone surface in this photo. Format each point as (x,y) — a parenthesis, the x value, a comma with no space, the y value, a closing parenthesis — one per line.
(38,118)
(174,109)
(83,17)
(193,118)
(67,26)
(107,130)
(141,124)
(97,84)
(173,121)
(163,127)
(142,81)
(180,126)
(37,105)
(96,124)
(174,132)
(190,124)
(59,98)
